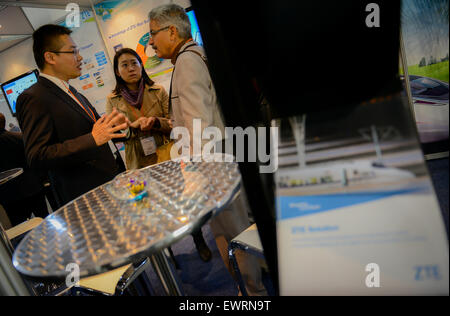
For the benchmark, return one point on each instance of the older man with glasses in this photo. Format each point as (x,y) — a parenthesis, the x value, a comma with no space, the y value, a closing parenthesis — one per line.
(192,96)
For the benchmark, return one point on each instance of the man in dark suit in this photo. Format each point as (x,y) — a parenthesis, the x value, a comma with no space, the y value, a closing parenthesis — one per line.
(24,194)
(62,131)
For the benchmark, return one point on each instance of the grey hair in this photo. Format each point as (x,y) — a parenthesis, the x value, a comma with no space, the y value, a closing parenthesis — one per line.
(172,14)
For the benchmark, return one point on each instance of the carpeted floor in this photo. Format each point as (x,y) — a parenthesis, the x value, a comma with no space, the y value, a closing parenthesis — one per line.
(199,278)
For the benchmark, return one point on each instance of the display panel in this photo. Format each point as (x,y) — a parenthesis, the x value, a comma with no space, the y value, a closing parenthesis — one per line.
(195,30)
(125,23)
(14,87)
(425,41)
(352,188)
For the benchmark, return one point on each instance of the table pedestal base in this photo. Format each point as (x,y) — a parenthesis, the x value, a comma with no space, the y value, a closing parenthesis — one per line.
(166,274)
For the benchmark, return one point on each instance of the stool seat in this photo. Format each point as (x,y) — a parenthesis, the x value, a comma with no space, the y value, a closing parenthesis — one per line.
(250,238)
(23,227)
(249,242)
(104,282)
(117,281)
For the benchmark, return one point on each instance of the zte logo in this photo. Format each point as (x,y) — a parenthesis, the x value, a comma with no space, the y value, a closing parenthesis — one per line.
(421,273)
(373,19)
(427,272)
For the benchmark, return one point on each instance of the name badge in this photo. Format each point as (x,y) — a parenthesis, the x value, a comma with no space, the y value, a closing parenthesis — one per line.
(148,145)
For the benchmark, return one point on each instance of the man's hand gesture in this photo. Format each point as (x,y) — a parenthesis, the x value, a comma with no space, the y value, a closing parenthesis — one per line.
(148,123)
(105,127)
(144,123)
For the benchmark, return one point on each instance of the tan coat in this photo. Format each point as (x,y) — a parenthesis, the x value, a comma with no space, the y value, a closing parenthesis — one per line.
(155,103)
(193,94)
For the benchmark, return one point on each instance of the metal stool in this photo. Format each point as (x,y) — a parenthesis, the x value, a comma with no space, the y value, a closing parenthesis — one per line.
(14,283)
(133,280)
(249,242)
(130,279)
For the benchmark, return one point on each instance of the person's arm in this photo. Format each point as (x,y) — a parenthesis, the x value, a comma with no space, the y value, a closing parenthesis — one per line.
(109,108)
(38,132)
(165,124)
(111,126)
(160,123)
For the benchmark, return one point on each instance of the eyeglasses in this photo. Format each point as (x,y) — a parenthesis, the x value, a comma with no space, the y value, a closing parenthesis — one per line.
(133,63)
(75,51)
(153,33)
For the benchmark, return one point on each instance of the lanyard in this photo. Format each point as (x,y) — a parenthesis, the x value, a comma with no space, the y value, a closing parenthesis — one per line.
(90,113)
(140,111)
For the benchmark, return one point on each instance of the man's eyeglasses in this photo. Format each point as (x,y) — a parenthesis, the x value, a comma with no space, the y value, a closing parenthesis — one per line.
(153,33)
(75,52)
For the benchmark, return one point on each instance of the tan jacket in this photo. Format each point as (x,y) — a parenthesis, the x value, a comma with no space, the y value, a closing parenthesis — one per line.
(155,103)
(193,93)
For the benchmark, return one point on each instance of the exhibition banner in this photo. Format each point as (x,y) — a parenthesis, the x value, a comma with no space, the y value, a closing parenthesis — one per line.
(125,23)
(356,210)
(425,40)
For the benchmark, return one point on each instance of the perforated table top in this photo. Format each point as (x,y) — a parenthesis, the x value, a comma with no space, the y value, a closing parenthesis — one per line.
(108,226)
(7,175)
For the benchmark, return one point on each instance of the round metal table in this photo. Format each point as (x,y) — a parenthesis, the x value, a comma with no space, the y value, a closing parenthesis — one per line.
(7,175)
(109,226)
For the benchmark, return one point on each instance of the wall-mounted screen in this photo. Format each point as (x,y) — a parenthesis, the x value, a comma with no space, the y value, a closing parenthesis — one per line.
(195,31)
(14,87)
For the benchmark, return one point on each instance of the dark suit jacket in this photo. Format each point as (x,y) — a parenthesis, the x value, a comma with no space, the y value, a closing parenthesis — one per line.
(57,137)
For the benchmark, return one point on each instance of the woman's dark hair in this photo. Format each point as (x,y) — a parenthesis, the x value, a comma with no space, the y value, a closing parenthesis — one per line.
(45,39)
(120,83)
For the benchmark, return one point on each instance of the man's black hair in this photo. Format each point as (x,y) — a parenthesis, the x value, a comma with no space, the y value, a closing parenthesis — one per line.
(45,39)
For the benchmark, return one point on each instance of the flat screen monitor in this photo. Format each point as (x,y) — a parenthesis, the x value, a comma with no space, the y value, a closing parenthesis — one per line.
(13,88)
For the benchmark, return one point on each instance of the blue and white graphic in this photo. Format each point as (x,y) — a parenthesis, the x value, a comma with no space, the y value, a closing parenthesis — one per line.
(297,206)
(355,198)
(195,30)
(101,58)
(86,76)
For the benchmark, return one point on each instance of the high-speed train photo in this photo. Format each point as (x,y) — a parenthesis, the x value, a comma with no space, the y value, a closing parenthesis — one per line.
(341,174)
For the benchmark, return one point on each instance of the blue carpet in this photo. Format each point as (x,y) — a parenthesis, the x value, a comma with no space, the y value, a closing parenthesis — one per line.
(199,278)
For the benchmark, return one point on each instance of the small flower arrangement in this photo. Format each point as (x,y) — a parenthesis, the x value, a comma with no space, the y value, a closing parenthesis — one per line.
(137,189)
